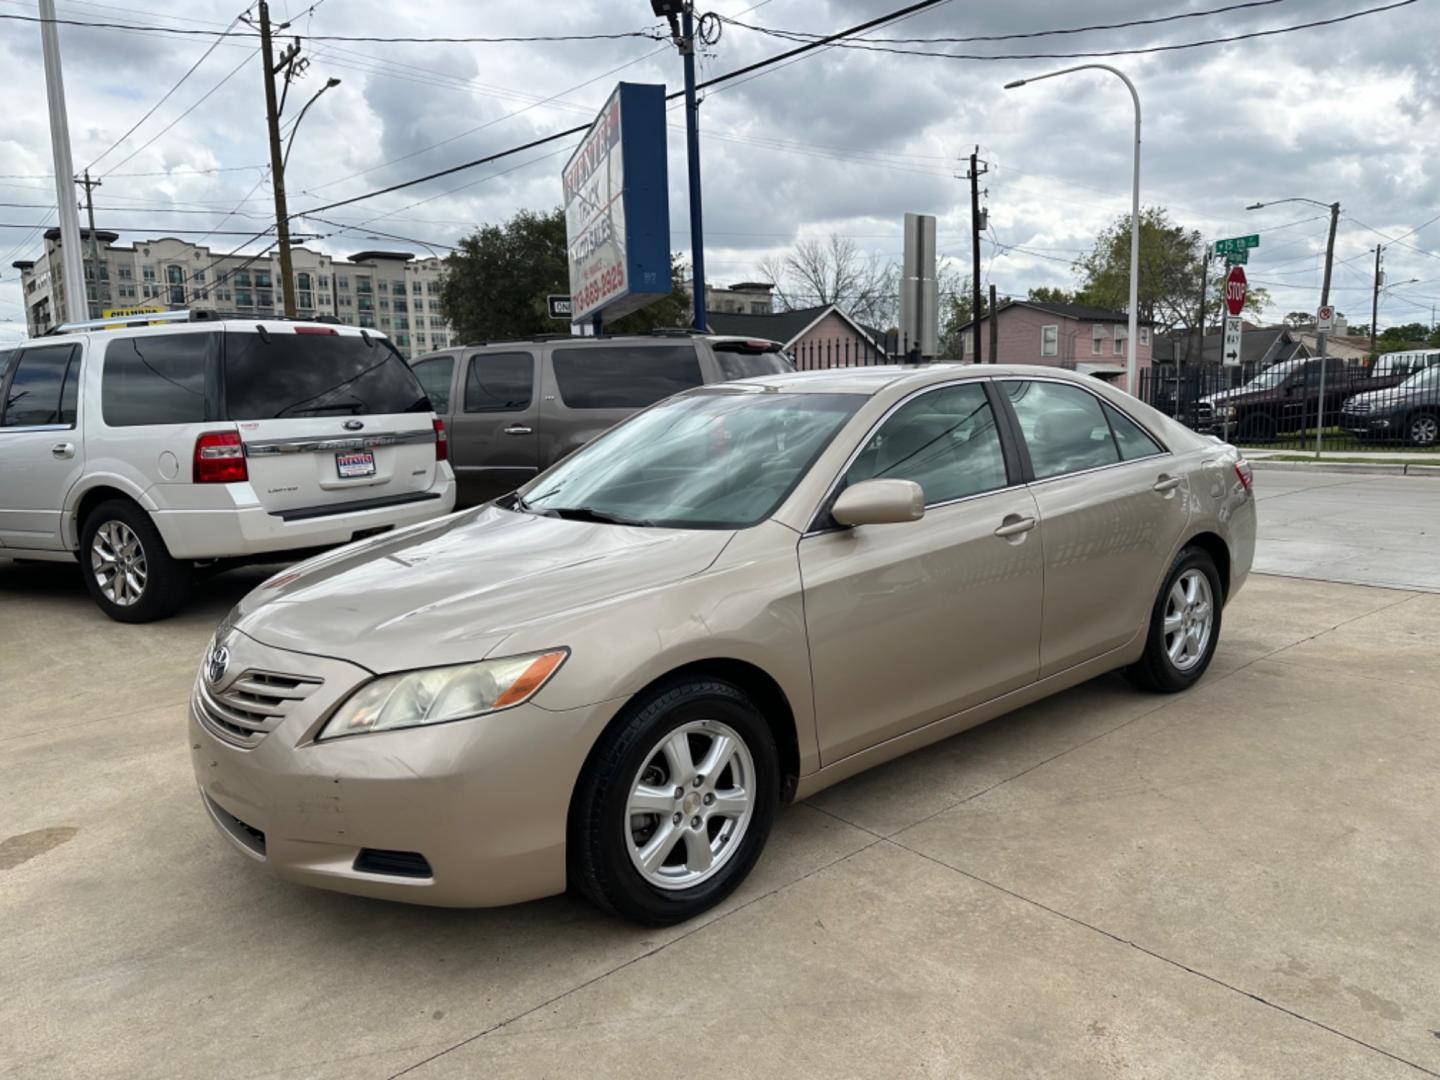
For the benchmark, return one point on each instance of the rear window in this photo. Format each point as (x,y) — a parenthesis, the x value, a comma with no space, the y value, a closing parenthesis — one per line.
(434,375)
(746,365)
(621,377)
(278,375)
(155,379)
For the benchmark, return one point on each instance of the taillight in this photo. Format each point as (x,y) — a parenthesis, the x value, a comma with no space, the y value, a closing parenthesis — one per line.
(442,441)
(1245,474)
(219,458)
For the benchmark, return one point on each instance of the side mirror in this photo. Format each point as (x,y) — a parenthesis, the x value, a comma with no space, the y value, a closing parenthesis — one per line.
(880,502)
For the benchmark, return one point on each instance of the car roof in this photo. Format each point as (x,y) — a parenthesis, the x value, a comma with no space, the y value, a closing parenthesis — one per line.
(875,378)
(270,326)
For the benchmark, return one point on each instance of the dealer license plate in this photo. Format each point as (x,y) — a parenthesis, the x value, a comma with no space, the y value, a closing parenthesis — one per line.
(355,463)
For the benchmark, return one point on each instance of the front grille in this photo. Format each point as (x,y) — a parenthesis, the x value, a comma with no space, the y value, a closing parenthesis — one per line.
(1356,407)
(251,706)
(1204,412)
(410,864)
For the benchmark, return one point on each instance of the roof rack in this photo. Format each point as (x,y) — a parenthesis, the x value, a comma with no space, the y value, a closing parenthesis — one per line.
(145,318)
(141,319)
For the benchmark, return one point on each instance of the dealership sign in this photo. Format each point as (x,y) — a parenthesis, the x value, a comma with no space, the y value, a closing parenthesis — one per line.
(617,209)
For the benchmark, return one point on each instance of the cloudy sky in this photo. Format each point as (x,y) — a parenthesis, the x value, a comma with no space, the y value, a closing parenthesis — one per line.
(842,141)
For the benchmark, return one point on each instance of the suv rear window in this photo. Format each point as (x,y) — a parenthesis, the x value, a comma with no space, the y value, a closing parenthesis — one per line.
(624,377)
(738,364)
(155,379)
(286,375)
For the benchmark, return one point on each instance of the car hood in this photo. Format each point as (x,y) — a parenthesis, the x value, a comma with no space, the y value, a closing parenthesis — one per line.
(1231,395)
(451,591)
(1392,396)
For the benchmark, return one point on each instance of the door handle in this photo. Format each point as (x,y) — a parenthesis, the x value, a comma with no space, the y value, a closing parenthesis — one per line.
(1015,526)
(519,429)
(63,450)
(1165,483)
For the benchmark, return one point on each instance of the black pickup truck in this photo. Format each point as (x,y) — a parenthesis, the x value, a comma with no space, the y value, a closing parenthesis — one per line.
(1287,398)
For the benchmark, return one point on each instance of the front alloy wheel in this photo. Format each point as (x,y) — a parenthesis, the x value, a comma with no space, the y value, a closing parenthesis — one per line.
(117,559)
(1424,431)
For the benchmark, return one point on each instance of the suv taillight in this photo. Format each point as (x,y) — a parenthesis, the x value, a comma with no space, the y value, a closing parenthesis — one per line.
(442,441)
(1245,474)
(219,458)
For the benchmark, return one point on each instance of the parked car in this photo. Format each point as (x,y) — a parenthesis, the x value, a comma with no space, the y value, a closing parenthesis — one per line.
(1285,397)
(1399,366)
(750,591)
(514,408)
(147,451)
(1409,412)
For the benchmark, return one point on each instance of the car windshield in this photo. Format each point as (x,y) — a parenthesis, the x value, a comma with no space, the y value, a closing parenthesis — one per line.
(1274,376)
(718,459)
(1429,379)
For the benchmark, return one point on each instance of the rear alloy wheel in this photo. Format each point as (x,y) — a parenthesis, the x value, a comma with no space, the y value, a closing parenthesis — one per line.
(674,807)
(1184,626)
(1423,430)
(127,568)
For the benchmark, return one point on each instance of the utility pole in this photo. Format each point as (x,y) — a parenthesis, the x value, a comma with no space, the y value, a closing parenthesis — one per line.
(1321,335)
(277,162)
(89,186)
(72,262)
(692,152)
(1375,299)
(994,330)
(975,226)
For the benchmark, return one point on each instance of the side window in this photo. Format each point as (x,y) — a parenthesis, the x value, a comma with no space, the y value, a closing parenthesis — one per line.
(38,386)
(1049,340)
(155,379)
(1133,440)
(1064,428)
(434,376)
(624,378)
(945,441)
(499,382)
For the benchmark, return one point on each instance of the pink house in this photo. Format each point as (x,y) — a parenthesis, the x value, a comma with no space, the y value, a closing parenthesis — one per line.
(1079,337)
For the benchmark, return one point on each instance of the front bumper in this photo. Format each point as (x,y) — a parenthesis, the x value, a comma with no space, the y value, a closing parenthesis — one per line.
(237,532)
(484,801)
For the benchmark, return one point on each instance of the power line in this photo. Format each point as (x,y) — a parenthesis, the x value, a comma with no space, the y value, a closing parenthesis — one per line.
(1143,50)
(162,230)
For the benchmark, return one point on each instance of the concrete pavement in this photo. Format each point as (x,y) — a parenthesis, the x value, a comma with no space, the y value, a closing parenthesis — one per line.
(1238,881)
(1369,530)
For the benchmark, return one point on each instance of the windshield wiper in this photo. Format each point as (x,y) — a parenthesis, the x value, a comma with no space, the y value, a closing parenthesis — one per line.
(588,513)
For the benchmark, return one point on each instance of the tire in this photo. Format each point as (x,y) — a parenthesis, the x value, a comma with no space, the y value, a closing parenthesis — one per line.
(163,582)
(1257,429)
(1423,430)
(1192,579)
(606,840)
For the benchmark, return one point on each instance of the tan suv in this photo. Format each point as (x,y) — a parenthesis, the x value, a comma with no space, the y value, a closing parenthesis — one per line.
(514,408)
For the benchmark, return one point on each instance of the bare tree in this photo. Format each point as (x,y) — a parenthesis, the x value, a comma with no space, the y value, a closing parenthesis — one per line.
(835,271)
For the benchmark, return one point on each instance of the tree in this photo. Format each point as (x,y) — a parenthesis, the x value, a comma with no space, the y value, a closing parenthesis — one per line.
(1403,337)
(1169,285)
(1300,320)
(496,283)
(835,271)
(1053,295)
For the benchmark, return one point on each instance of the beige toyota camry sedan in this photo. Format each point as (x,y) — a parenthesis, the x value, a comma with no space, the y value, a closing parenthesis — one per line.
(608,680)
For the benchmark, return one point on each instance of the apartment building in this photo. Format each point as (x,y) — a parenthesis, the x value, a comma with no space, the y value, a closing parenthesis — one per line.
(391,291)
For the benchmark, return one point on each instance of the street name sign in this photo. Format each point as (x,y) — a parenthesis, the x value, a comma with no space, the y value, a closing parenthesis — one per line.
(1237,258)
(1230,353)
(1237,243)
(1235,288)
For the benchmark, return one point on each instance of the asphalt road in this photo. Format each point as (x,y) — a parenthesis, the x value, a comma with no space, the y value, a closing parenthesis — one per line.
(1235,882)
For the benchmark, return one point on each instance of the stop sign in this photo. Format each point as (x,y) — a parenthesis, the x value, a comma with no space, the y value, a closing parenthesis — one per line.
(1235,290)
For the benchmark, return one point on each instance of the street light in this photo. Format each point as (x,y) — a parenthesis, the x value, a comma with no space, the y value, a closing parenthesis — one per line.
(330,84)
(1321,336)
(1131,363)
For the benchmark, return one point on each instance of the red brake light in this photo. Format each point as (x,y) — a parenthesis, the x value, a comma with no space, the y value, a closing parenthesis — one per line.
(219,458)
(317,330)
(1245,474)
(442,441)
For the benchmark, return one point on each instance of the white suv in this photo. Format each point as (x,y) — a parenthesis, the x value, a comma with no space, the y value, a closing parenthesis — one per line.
(147,450)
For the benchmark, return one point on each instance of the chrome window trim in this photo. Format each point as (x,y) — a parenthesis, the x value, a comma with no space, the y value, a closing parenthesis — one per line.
(976,380)
(36,427)
(310,445)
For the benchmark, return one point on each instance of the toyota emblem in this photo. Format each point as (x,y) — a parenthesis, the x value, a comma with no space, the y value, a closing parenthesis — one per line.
(217,663)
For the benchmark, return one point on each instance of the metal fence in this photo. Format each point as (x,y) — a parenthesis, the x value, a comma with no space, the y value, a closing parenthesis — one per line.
(812,354)
(1281,408)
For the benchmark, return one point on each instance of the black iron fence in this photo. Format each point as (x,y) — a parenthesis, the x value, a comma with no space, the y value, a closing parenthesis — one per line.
(1282,407)
(814,353)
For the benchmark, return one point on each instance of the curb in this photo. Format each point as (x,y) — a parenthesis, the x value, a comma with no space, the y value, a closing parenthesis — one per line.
(1355,468)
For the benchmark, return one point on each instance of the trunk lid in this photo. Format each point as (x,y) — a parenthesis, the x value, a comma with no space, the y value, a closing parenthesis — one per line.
(328,416)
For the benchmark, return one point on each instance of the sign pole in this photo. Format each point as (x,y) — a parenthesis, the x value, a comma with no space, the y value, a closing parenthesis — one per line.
(1321,335)
(692,147)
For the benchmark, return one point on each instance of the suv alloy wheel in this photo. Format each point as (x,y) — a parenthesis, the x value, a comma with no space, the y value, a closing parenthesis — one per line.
(126,565)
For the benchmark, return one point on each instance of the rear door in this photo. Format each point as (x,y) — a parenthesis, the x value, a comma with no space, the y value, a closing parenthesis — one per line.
(41,455)
(493,421)
(590,388)
(329,416)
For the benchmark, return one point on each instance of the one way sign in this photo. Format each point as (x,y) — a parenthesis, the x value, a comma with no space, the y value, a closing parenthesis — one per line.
(1230,353)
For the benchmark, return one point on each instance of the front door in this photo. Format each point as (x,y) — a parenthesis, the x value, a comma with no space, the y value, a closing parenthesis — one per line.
(493,443)
(1112,507)
(910,623)
(41,452)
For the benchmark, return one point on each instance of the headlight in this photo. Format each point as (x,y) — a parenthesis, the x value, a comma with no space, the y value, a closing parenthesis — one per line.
(1227,412)
(438,695)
